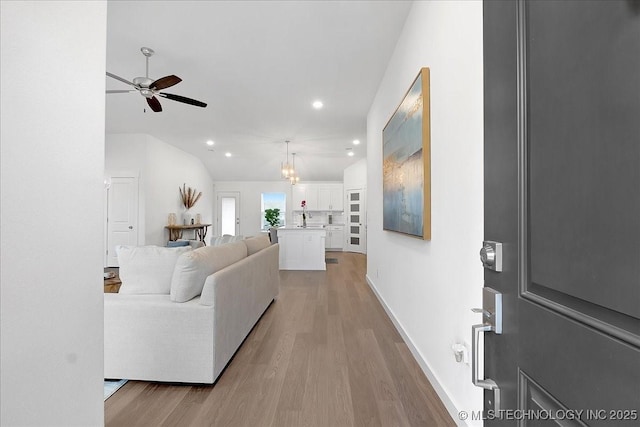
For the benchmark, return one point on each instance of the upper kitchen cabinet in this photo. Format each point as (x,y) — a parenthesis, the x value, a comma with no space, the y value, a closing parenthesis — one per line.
(330,197)
(319,197)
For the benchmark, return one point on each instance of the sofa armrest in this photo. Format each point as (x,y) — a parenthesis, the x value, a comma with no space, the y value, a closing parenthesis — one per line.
(150,337)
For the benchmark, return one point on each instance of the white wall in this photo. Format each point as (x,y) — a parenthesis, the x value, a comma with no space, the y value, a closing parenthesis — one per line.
(162,169)
(429,287)
(52,156)
(355,176)
(250,199)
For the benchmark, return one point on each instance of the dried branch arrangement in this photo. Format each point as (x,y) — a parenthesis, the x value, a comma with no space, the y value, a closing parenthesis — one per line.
(188,196)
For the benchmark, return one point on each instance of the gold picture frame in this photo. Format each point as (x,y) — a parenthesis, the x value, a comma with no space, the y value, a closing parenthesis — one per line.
(406,163)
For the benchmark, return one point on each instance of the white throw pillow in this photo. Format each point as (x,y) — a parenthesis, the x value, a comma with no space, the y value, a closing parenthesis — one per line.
(147,269)
(193,268)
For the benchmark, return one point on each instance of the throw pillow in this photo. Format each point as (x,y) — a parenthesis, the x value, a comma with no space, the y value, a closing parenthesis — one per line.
(221,240)
(217,241)
(256,244)
(177,243)
(147,269)
(193,268)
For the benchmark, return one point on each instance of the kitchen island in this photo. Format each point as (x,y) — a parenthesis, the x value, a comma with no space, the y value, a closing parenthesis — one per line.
(302,248)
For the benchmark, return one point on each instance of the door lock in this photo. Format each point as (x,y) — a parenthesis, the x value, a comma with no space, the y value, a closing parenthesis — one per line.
(491,255)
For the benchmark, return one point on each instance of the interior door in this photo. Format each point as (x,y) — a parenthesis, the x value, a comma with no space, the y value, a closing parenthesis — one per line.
(355,231)
(562,194)
(122,215)
(229,213)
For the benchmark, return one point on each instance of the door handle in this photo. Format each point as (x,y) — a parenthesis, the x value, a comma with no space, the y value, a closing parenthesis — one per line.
(486,383)
(492,322)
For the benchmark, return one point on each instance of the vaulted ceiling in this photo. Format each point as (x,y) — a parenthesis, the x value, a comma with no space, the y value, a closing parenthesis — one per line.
(258,65)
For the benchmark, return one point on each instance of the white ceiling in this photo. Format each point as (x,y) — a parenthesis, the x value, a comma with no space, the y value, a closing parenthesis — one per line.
(258,65)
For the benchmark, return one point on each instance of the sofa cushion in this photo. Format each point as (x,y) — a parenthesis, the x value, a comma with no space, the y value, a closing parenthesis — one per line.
(147,269)
(256,244)
(193,268)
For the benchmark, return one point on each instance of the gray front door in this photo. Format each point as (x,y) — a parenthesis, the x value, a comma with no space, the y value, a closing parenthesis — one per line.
(562,193)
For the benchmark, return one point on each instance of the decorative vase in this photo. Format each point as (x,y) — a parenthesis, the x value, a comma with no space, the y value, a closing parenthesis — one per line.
(304,220)
(186,217)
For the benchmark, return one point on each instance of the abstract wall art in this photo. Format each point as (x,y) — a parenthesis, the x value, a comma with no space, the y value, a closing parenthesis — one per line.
(406,167)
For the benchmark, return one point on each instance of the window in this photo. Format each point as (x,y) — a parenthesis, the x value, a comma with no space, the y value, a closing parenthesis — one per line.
(273,201)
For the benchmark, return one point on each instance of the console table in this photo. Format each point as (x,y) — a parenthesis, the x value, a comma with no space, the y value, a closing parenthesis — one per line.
(175,231)
(112,285)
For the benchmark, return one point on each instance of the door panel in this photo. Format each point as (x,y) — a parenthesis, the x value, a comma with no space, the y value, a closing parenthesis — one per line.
(562,193)
(355,229)
(122,215)
(229,213)
(582,115)
(581,367)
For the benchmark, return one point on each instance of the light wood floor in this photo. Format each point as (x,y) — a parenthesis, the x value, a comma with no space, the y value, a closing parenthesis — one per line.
(324,354)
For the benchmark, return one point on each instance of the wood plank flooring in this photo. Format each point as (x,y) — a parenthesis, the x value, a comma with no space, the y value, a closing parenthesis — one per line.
(324,354)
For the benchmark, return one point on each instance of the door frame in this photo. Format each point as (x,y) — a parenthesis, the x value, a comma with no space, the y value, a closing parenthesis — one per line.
(108,179)
(219,196)
(363,224)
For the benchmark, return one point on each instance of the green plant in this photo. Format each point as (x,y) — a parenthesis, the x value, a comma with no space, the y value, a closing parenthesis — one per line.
(272,216)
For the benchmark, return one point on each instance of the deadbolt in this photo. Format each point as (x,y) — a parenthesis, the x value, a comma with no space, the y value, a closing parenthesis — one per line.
(488,255)
(491,255)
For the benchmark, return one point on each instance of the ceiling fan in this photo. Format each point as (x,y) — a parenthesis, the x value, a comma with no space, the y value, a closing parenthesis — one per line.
(149,88)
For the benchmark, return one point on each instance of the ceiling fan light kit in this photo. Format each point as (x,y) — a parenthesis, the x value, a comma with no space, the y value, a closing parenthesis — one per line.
(150,88)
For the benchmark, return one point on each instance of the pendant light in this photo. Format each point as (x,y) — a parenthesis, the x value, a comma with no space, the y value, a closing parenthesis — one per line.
(286,168)
(293,176)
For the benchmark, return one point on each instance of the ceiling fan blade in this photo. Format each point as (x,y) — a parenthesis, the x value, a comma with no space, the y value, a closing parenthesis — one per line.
(165,82)
(120,91)
(113,76)
(154,104)
(183,99)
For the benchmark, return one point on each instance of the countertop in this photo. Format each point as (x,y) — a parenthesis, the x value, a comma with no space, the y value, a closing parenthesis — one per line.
(299,227)
(292,227)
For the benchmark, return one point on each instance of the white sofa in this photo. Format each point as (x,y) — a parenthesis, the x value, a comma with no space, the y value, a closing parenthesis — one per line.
(154,337)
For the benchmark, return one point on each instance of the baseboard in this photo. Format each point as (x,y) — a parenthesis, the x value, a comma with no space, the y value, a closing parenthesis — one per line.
(437,386)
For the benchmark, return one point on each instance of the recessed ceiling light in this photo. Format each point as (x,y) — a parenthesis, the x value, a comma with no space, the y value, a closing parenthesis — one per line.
(356,141)
(228,154)
(350,153)
(317,104)
(210,143)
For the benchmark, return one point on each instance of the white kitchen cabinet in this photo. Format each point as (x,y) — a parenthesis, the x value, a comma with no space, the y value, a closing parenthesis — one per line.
(330,197)
(319,197)
(302,248)
(297,196)
(337,198)
(334,238)
(308,192)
